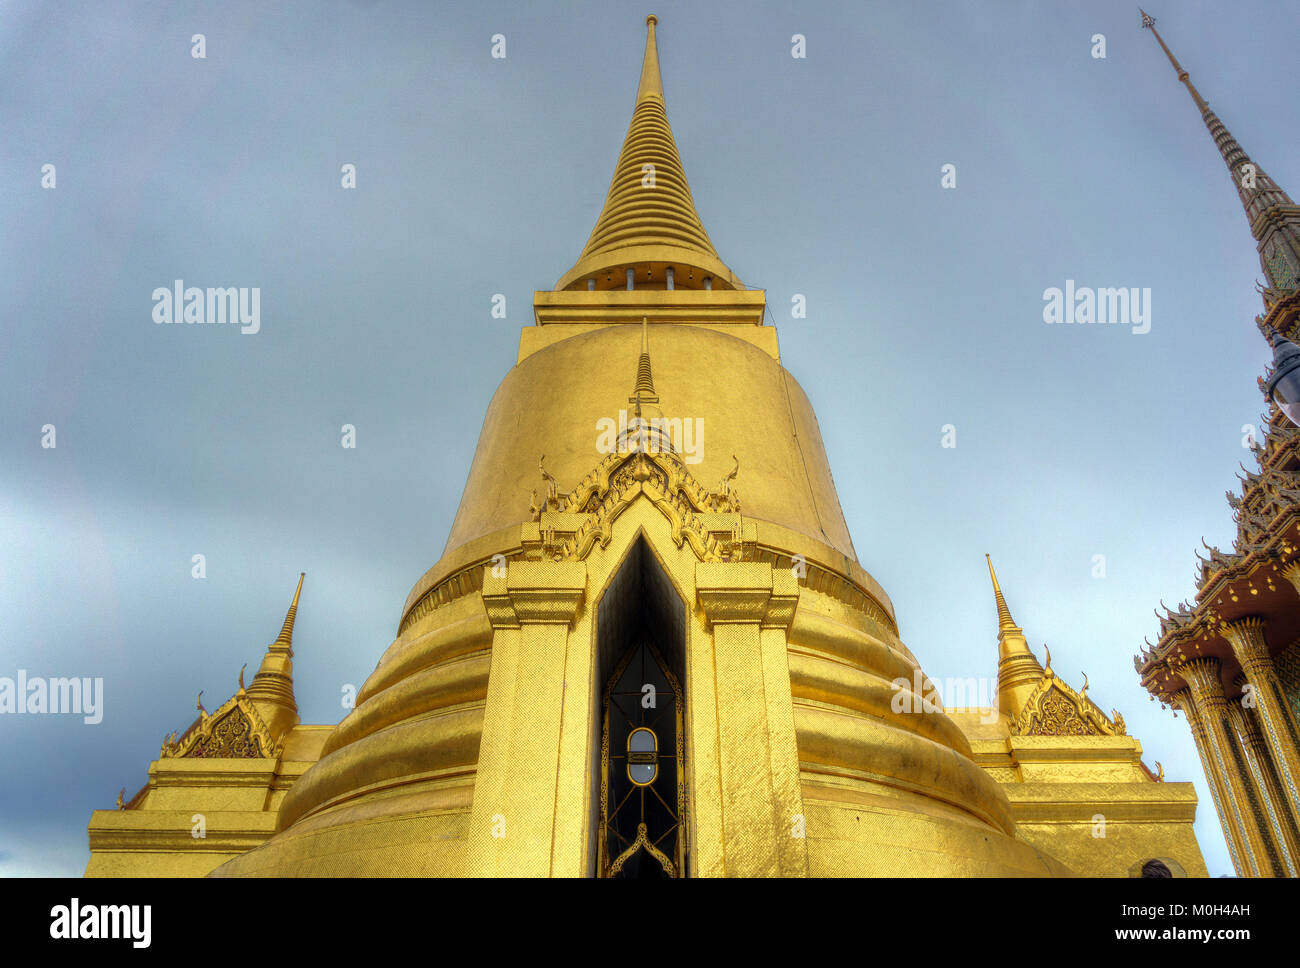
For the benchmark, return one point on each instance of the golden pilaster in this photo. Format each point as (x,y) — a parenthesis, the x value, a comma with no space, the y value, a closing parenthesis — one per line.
(517,796)
(1245,812)
(1222,800)
(1279,726)
(749,607)
(1268,787)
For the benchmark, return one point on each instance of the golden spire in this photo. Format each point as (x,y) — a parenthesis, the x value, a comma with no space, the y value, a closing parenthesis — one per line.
(1004,614)
(1018,670)
(651,85)
(272,688)
(285,639)
(644,392)
(1273,217)
(649,224)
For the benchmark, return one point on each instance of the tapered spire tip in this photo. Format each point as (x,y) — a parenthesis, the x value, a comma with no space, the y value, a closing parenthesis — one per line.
(1005,622)
(651,84)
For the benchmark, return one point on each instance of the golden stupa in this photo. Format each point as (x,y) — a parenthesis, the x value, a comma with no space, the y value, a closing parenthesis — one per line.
(648,647)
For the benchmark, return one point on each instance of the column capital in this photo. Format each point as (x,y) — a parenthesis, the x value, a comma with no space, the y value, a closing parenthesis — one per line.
(534,593)
(1292,574)
(1246,636)
(1202,678)
(1182,701)
(749,592)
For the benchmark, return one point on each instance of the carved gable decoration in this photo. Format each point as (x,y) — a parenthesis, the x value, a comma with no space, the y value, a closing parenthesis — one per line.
(622,477)
(1054,709)
(234,731)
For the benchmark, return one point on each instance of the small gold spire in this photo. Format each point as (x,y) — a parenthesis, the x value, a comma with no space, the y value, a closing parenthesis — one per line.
(1018,670)
(272,687)
(285,639)
(644,391)
(1005,624)
(651,85)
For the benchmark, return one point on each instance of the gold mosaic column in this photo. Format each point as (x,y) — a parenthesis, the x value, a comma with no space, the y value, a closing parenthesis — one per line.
(1267,785)
(1183,700)
(518,793)
(1244,811)
(749,607)
(1279,726)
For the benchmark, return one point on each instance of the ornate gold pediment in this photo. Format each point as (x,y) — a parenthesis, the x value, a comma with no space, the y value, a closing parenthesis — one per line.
(234,731)
(1054,709)
(617,481)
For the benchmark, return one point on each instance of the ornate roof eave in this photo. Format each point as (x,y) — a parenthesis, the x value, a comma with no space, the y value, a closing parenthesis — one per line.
(1203,626)
(1276,545)
(1283,312)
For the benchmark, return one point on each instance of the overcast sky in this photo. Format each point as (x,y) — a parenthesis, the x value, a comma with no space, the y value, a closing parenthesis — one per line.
(475,176)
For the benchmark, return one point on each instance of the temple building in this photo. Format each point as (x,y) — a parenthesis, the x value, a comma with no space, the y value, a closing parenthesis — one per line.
(647,651)
(1230,660)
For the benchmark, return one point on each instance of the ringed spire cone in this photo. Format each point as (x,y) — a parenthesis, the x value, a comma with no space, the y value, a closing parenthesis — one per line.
(1005,623)
(272,688)
(644,392)
(1018,669)
(649,222)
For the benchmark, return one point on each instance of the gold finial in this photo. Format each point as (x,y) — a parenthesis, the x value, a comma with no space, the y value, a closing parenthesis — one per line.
(241,678)
(1149,23)
(725,499)
(284,641)
(1047,665)
(552,486)
(651,85)
(121,795)
(198,703)
(1005,624)
(1083,693)
(1160,772)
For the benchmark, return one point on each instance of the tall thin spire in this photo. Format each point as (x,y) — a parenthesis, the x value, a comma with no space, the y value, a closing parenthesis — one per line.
(1018,670)
(285,639)
(272,688)
(1005,624)
(644,391)
(651,85)
(649,225)
(1274,218)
